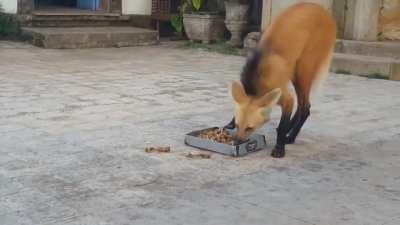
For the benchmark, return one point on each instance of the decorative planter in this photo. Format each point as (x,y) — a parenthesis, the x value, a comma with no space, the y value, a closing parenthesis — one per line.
(203,27)
(251,40)
(236,21)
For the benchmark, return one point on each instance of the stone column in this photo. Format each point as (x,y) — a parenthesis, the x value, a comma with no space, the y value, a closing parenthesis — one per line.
(362,20)
(266,13)
(339,12)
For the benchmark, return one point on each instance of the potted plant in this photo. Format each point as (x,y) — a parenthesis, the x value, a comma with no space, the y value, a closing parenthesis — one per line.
(236,19)
(9,25)
(201,22)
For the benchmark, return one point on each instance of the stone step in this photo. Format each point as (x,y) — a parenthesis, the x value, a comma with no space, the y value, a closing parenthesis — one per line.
(58,19)
(371,66)
(90,37)
(383,49)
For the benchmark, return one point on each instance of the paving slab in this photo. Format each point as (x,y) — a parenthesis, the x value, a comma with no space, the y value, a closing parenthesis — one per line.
(74,125)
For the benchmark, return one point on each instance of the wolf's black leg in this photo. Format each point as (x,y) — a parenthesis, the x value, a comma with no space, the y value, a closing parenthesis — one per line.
(284,125)
(231,125)
(303,115)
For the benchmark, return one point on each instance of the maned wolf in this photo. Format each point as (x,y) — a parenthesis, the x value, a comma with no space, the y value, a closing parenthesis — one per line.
(296,48)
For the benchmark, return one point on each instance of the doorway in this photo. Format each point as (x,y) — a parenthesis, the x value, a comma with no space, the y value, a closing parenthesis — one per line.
(255,15)
(70,5)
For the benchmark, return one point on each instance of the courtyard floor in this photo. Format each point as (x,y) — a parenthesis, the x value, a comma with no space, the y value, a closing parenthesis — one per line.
(74,125)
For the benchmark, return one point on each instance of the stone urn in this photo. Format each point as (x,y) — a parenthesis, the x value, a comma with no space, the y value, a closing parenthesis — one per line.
(251,40)
(204,27)
(236,20)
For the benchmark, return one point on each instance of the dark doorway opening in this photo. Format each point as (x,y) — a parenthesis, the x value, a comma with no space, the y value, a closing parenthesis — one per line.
(255,15)
(55,3)
(73,5)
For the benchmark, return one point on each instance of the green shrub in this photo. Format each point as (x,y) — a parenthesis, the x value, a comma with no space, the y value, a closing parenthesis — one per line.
(177,23)
(194,6)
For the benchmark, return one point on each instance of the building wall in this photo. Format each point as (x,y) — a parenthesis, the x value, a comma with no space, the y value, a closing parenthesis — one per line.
(365,20)
(137,7)
(279,6)
(9,6)
(389,20)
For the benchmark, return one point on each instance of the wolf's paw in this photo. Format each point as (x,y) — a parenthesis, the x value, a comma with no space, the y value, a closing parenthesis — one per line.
(278,152)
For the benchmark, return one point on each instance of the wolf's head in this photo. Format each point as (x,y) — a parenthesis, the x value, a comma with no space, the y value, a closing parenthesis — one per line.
(252,112)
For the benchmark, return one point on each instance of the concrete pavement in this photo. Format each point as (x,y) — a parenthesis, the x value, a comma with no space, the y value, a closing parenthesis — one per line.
(74,125)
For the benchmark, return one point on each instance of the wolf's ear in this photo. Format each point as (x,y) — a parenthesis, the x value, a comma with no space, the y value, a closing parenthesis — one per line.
(238,93)
(269,99)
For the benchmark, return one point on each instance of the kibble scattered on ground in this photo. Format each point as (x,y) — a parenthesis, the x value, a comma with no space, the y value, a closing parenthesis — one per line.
(158,149)
(198,155)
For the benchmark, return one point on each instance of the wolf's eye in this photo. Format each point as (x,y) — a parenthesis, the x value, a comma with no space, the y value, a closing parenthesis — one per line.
(249,129)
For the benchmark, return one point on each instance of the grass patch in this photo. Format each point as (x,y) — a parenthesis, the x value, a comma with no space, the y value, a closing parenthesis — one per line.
(370,76)
(342,72)
(219,47)
(377,76)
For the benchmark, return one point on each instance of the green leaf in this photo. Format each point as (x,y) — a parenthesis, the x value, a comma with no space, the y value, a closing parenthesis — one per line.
(177,23)
(197,4)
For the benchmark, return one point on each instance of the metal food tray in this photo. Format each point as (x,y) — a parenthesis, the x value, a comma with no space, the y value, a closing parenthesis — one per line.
(255,143)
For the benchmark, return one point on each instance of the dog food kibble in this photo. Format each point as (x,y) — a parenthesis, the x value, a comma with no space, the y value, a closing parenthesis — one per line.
(218,135)
(198,156)
(157,149)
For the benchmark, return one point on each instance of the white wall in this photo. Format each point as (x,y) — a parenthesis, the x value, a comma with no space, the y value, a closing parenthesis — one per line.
(138,7)
(279,6)
(272,8)
(9,6)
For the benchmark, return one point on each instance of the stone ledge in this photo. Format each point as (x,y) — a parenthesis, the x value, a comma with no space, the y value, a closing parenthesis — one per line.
(366,65)
(375,48)
(91,37)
